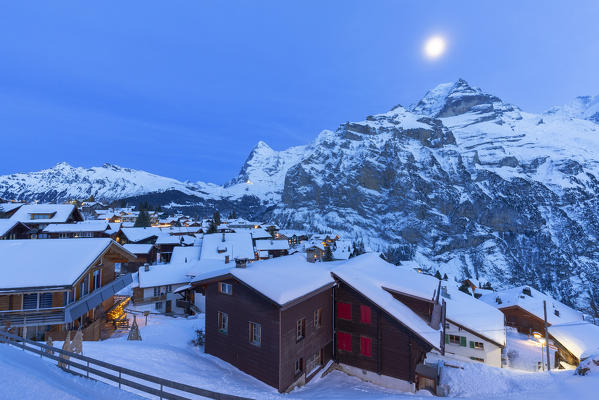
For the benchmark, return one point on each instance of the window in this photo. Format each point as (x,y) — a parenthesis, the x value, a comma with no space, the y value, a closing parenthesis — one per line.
(343,341)
(365,346)
(67,298)
(301,329)
(455,339)
(157,291)
(299,366)
(365,316)
(159,305)
(84,286)
(313,362)
(225,288)
(169,288)
(477,345)
(478,359)
(63,235)
(45,300)
(318,318)
(30,301)
(96,279)
(344,311)
(223,322)
(255,334)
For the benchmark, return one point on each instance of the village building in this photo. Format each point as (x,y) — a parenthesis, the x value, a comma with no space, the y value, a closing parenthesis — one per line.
(271,319)
(11,230)
(574,341)
(8,209)
(272,248)
(228,246)
(386,321)
(145,253)
(84,229)
(146,235)
(524,309)
(166,243)
(157,288)
(315,252)
(293,237)
(39,216)
(474,330)
(49,287)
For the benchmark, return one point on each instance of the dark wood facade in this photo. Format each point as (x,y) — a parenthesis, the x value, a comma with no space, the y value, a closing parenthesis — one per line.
(522,320)
(274,360)
(395,350)
(18,231)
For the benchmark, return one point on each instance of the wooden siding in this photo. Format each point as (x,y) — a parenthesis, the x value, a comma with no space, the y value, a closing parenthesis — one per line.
(524,321)
(243,306)
(421,307)
(315,340)
(395,349)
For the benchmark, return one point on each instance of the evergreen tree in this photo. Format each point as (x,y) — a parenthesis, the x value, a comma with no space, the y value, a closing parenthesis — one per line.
(91,199)
(216,218)
(143,220)
(438,275)
(212,227)
(445,277)
(328,253)
(233,215)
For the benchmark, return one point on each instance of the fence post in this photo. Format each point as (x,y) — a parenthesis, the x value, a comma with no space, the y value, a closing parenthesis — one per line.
(161,392)
(119,378)
(87,369)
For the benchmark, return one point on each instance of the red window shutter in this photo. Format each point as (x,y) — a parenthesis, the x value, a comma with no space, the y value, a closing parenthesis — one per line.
(344,311)
(365,316)
(365,346)
(343,341)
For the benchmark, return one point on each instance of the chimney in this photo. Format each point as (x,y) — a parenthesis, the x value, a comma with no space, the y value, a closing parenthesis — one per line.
(226,259)
(223,239)
(240,262)
(146,267)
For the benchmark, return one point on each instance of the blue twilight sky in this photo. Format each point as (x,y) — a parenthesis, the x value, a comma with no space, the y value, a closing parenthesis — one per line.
(186,88)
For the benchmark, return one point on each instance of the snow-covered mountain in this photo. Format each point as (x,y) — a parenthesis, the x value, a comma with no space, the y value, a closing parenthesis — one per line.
(459,182)
(583,107)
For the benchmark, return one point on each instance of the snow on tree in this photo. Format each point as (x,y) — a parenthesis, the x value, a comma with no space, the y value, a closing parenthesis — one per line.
(143,220)
(49,343)
(77,344)
(134,331)
(66,346)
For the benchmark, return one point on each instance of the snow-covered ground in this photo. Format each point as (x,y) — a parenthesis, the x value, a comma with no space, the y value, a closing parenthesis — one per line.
(166,351)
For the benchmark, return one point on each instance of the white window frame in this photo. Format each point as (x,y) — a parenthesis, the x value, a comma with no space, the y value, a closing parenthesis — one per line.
(255,333)
(225,288)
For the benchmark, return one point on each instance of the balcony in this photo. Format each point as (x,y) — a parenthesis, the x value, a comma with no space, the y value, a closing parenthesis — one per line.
(63,315)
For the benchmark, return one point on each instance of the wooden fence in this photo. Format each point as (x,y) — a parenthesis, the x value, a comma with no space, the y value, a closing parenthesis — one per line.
(88,367)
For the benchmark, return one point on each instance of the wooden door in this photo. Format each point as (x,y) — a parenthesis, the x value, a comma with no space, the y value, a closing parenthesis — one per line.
(169,307)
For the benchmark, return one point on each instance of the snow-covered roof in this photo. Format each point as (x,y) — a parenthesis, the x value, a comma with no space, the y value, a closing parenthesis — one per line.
(578,337)
(60,213)
(290,232)
(165,274)
(6,225)
(139,234)
(272,245)
(84,226)
(138,248)
(370,275)
(281,279)
(259,233)
(7,207)
(49,263)
(533,304)
(165,238)
(183,254)
(236,245)
(473,314)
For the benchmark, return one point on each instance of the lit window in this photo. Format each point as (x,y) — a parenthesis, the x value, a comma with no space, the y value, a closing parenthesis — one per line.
(365,314)
(96,279)
(477,345)
(344,311)
(365,346)
(223,322)
(255,334)
(225,288)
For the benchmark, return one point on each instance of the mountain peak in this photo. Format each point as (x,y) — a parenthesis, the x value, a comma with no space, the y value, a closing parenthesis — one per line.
(451,99)
(62,165)
(582,107)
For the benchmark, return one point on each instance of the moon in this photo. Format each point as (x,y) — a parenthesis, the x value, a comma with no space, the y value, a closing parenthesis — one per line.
(435,47)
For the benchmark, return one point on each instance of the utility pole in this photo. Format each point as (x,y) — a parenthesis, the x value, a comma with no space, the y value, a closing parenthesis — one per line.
(546,335)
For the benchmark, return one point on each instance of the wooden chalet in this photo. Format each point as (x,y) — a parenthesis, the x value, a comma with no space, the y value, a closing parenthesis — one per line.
(386,321)
(8,209)
(271,319)
(272,248)
(39,216)
(49,287)
(10,230)
(145,253)
(85,229)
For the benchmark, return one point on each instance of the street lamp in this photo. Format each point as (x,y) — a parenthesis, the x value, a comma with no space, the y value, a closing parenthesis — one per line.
(541,340)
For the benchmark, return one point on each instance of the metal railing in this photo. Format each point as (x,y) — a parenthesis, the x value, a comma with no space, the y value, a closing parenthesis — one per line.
(95,298)
(88,367)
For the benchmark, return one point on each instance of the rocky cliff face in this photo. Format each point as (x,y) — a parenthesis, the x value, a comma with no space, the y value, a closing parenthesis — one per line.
(459,182)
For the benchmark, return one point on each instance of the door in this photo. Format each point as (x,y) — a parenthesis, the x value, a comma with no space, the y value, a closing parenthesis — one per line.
(169,307)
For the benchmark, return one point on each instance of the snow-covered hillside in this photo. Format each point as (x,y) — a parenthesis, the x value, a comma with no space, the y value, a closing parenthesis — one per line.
(582,107)
(460,182)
